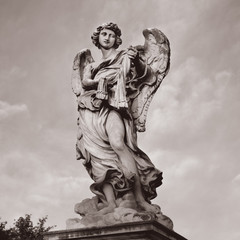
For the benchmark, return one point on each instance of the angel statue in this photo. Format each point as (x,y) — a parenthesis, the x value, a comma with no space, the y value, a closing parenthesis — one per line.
(113,97)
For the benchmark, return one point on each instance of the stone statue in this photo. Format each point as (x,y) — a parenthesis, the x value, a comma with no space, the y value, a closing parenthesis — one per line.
(113,97)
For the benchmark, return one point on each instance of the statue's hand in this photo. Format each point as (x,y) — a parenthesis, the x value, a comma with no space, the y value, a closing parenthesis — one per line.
(133,54)
(136,60)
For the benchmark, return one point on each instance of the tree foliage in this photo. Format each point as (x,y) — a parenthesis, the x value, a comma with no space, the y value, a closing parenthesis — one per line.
(23,229)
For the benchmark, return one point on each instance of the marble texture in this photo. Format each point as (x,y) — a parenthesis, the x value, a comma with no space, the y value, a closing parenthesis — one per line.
(144,230)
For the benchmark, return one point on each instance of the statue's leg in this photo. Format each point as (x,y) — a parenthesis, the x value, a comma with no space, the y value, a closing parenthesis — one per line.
(116,132)
(110,197)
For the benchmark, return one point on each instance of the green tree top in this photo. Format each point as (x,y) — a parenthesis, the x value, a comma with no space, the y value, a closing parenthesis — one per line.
(24,229)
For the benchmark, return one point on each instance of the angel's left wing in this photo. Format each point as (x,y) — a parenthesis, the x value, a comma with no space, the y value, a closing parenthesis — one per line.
(81,60)
(156,54)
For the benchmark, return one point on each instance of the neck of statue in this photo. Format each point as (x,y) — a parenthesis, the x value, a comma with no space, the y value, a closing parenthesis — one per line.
(108,53)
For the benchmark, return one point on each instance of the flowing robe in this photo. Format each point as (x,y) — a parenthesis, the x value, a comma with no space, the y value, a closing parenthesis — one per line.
(116,87)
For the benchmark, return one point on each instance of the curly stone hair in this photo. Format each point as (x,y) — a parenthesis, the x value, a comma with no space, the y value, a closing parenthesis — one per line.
(111,26)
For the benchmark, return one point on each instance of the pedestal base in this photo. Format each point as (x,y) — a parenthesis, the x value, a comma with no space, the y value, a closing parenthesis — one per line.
(148,230)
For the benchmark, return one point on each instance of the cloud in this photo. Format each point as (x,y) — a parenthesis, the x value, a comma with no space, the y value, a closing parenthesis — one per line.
(8,110)
(188,106)
(39,172)
(193,130)
(31,179)
(237,178)
(193,122)
(10,73)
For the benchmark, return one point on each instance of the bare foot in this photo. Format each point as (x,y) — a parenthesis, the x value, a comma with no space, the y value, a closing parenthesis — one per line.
(148,207)
(110,208)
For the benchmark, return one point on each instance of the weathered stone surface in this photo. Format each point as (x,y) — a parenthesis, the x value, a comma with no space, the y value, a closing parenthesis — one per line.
(125,211)
(113,96)
(146,230)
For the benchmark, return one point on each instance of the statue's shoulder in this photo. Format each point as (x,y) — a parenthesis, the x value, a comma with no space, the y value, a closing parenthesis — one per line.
(94,64)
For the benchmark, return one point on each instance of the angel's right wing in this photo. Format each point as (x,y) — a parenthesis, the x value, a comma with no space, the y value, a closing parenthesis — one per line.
(81,60)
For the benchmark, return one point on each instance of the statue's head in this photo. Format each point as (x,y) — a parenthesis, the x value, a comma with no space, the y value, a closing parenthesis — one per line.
(111,26)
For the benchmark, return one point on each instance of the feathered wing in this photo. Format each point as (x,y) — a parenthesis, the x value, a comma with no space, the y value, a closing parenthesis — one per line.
(156,54)
(81,60)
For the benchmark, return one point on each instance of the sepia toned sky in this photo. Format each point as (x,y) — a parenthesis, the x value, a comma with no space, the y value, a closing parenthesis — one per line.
(193,131)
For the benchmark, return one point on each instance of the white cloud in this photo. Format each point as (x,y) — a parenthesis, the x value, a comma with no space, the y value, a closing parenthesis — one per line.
(12,73)
(41,184)
(186,166)
(8,110)
(193,133)
(188,106)
(236,179)
(192,127)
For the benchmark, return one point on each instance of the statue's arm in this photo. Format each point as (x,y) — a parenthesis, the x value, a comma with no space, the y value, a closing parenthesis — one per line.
(87,81)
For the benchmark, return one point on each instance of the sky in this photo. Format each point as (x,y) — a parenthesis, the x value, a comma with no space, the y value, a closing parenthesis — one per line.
(192,134)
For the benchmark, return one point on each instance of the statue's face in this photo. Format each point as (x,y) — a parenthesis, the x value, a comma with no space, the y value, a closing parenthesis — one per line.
(107,38)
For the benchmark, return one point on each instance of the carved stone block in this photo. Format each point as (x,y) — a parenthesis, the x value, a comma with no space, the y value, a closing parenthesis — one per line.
(148,230)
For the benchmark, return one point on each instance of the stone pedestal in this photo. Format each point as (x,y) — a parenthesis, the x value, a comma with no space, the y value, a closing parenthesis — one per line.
(144,230)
